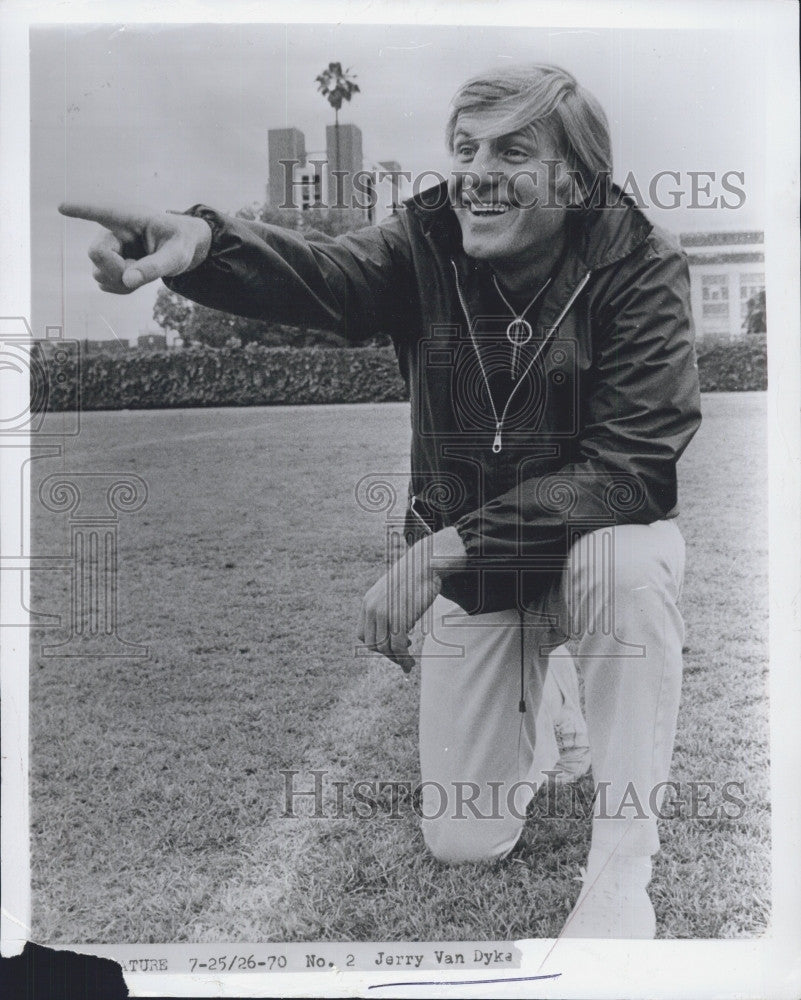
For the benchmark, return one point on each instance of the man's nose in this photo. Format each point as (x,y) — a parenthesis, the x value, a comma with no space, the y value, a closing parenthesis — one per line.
(487,165)
(483,179)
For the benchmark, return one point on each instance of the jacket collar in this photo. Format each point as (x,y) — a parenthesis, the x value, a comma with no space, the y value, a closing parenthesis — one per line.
(605,235)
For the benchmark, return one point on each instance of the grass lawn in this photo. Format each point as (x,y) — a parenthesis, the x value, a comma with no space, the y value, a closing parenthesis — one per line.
(157,796)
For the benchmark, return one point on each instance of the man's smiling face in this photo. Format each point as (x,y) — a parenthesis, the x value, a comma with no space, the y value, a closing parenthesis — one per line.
(502,191)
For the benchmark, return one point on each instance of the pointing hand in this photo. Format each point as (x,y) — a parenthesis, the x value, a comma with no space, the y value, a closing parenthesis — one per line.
(136,248)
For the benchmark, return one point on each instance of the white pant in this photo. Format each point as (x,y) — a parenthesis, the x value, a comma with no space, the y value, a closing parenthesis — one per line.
(480,756)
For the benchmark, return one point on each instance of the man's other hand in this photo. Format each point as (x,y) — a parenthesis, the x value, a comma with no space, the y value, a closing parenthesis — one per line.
(393,605)
(139,247)
(399,599)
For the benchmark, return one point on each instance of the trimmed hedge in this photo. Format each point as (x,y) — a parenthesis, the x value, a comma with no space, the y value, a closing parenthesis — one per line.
(231,376)
(735,367)
(265,376)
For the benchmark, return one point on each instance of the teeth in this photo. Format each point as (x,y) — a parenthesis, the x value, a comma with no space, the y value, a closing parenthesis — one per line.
(480,209)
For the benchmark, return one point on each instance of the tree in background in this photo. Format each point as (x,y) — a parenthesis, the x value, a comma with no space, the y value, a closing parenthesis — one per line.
(336,86)
(171,311)
(311,220)
(756,317)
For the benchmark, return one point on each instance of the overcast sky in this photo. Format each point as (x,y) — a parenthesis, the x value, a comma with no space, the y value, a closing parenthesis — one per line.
(171,115)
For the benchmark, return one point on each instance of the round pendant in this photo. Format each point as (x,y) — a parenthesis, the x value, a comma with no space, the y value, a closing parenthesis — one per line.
(519,332)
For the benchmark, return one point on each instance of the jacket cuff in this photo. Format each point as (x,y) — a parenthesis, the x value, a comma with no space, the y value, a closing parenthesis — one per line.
(188,282)
(209,215)
(216,224)
(468,528)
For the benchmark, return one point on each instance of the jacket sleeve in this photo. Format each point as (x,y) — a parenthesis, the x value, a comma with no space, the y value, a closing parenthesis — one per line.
(640,412)
(357,285)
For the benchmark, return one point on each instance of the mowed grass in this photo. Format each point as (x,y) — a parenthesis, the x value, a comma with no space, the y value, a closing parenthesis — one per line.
(157,793)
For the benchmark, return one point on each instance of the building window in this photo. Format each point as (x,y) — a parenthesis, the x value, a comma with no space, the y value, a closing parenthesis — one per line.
(715,294)
(750,285)
(715,287)
(310,191)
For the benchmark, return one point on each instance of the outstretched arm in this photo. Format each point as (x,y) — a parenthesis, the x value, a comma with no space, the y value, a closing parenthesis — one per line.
(357,285)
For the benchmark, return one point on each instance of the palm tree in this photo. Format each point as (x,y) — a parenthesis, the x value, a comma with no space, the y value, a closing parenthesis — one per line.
(336,86)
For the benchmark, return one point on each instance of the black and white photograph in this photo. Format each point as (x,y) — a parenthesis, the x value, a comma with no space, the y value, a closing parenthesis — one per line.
(401,572)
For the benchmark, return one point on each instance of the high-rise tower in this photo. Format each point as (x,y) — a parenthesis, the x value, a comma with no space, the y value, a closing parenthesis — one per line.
(283,144)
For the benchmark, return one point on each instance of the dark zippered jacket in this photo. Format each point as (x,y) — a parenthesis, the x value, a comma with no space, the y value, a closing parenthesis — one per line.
(606,398)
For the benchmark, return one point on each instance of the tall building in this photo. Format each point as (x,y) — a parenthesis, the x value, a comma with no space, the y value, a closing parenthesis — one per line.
(282,144)
(313,177)
(344,152)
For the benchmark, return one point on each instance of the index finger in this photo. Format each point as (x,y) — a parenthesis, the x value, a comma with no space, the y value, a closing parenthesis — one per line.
(106,215)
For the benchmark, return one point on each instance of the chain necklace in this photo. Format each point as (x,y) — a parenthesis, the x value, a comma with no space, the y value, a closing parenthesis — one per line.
(519,331)
(500,419)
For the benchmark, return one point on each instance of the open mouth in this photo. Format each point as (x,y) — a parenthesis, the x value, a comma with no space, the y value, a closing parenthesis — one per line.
(483,208)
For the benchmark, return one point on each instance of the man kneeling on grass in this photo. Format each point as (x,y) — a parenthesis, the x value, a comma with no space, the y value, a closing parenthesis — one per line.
(544,327)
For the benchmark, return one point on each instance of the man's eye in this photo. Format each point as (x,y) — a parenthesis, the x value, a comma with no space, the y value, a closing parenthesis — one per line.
(515,153)
(465,151)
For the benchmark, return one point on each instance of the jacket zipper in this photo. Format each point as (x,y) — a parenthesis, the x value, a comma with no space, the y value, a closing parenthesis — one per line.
(499,421)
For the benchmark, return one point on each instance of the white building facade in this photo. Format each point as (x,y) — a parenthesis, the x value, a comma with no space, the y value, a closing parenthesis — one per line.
(726,271)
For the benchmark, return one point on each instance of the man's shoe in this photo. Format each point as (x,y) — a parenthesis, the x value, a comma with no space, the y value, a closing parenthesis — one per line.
(613,902)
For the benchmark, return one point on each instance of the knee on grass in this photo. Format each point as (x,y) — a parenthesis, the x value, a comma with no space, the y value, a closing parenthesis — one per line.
(455,842)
